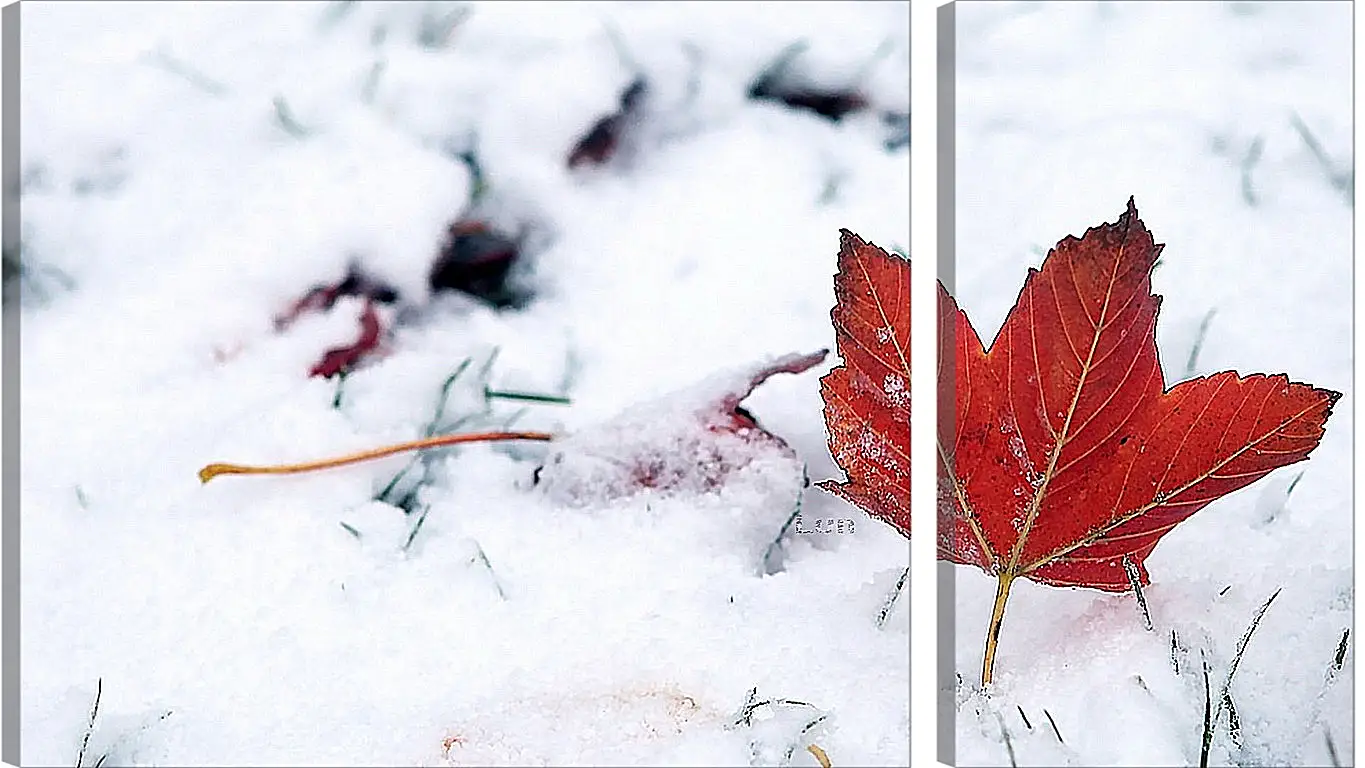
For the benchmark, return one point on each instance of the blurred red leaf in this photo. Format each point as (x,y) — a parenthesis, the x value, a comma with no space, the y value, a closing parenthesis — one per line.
(777,82)
(867,399)
(476,259)
(601,141)
(322,298)
(343,359)
(1066,454)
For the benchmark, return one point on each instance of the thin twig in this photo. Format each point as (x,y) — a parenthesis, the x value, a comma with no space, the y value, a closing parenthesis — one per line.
(90,726)
(1241,647)
(285,117)
(1009,743)
(776,70)
(428,431)
(370,88)
(791,750)
(770,564)
(1292,484)
(421,518)
(1135,580)
(1207,739)
(478,184)
(1199,342)
(1234,721)
(1341,650)
(694,57)
(481,557)
(1142,684)
(121,739)
(886,46)
(514,418)
(746,712)
(168,63)
(1053,723)
(890,603)
(334,12)
(434,32)
(1343,182)
(439,414)
(899,123)
(622,51)
(341,383)
(532,397)
(1248,163)
(487,369)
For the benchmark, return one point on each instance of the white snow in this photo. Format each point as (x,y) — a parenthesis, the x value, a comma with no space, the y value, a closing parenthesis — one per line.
(193,168)
(1063,111)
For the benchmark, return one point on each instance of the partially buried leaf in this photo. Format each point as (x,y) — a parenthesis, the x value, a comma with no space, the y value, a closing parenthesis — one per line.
(867,399)
(343,359)
(323,297)
(601,141)
(776,83)
(1066,453)
(477,260)
(693,440)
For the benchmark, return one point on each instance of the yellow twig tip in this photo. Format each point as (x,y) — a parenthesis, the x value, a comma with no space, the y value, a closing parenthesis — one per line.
(211,471)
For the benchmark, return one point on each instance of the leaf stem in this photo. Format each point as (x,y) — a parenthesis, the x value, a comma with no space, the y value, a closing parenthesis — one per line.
(213,470)
(1002,594)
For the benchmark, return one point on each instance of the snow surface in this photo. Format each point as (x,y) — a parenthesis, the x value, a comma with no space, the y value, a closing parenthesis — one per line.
(190,169)
(1063,111)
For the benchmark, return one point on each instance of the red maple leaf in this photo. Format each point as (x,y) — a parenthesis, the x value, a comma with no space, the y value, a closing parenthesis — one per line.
(1067,456)
(867,399)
